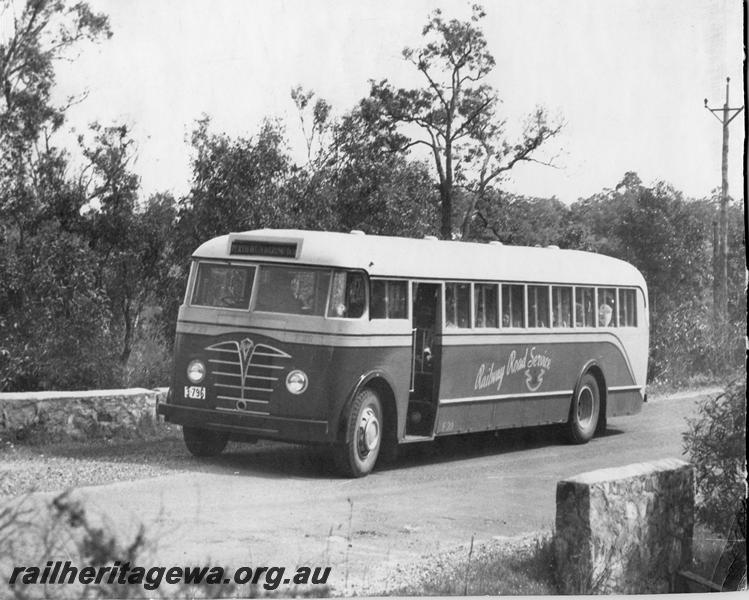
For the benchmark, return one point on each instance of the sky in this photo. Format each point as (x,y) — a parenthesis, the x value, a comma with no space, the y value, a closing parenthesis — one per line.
(628,77)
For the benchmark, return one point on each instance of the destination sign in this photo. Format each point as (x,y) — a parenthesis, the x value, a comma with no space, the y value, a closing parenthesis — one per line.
(256,248)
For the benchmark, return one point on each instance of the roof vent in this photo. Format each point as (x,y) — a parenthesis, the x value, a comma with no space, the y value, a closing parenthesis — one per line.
(357,232)
(553,247)
(495,243)
(432,238)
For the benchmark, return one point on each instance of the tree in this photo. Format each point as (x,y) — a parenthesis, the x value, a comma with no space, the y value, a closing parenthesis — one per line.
(378,190)
(520,220)
(129,240)
(235,183)
(43,32)
(54,319)
(667,237)
(455,113)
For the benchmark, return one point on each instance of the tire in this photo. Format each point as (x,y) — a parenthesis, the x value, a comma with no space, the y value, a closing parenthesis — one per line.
(364,430)
(204,442)
(585,411)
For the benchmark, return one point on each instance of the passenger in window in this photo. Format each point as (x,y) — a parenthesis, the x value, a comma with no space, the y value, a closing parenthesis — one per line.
(427,359)
(450,319)
(286,291)
(303,294)
(355,296)
(230,295)
(604,315)
(579,315)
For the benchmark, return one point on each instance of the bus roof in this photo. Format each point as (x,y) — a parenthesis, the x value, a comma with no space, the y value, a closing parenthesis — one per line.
(426,258)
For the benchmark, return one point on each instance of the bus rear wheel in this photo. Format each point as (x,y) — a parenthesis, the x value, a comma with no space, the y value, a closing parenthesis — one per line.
(358,455)
(204,442)
(584,411)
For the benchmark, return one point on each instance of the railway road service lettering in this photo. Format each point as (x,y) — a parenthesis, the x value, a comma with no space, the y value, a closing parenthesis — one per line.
(489,376)
(531,363)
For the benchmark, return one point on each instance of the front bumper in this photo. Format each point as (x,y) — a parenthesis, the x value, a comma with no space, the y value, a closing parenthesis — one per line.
(268,427)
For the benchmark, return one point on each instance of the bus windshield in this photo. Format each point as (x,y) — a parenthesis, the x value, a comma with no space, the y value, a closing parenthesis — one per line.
(292,290)
(223,286)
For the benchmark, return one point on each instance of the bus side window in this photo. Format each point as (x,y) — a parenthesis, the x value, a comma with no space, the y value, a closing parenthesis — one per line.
(513,307)
(356,297)
(397,300)
(347,295)
(388,299)
(627,308)
(607,307)
(585,307)
(561,306)
(485,304)
(457,304)
(538,306)
(378,299)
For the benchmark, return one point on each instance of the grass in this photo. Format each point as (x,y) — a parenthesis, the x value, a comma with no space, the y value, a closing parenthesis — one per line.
(518,567)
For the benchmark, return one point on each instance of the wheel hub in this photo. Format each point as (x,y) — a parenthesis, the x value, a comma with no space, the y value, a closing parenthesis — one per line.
(585,407)
(368,432)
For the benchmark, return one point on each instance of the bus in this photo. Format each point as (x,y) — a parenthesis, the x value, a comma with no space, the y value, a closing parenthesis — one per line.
(366,342)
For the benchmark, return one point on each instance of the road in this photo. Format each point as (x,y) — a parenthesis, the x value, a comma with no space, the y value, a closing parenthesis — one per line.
(277,504)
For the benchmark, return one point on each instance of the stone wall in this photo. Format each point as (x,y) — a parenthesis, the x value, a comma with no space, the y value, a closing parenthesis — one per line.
(626,530)
(56,416)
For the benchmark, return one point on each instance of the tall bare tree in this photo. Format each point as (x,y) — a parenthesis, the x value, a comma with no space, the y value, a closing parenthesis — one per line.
(454,114)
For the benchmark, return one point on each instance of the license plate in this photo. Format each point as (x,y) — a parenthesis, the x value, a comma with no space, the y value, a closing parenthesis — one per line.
(195,392)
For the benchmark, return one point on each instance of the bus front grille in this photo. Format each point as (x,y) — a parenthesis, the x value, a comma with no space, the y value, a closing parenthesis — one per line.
(244,374)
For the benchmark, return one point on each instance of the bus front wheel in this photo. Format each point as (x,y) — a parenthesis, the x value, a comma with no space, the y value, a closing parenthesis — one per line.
(584,411)
(358,455)
(204,442)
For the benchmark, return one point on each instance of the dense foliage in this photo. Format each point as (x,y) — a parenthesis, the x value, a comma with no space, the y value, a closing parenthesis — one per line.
(716,446)
(92,272)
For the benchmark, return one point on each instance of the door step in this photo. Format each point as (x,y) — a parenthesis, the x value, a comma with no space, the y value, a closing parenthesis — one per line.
(410,439)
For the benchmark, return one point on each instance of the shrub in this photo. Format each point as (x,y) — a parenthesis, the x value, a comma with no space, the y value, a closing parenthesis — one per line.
(684,342)
(54,318)
(716,445)
(150,362)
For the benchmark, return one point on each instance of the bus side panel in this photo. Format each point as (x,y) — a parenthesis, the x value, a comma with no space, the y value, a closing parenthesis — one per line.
(522,384)
(501,414)
(623,403)
(350,364)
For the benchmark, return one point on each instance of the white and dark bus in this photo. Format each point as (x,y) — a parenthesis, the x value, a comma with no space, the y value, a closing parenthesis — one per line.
(366,342)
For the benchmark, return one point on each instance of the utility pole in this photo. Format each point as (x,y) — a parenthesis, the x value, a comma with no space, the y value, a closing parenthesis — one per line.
(720,286)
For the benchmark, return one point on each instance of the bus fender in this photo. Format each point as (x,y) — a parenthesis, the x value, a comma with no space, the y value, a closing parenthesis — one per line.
(361,383)
(594,369)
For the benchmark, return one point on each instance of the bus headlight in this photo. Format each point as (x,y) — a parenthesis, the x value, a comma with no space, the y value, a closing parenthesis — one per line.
(196,371)
(296,381)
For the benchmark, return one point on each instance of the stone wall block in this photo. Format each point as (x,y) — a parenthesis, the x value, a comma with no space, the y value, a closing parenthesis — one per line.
(77,415)
(626,530)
